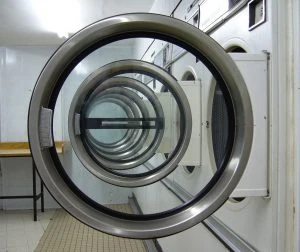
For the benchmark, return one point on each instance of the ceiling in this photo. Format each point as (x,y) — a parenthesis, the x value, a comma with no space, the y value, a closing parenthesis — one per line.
(48,22)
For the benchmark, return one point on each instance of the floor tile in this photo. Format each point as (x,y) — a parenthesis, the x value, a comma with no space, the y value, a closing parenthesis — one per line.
(16,241)
(18,231)
(65,233)
(33,237)
(21,234)
(15,232)
(33,227)
(17,249)
(32,246)
(2,241)
(15,225)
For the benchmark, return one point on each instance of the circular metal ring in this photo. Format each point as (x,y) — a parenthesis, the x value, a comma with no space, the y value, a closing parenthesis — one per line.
(204,48)
(128,108)
(130,96)
(114,99)
(93,82)
(121,67)
(134,113)
(133,142)
(136,147)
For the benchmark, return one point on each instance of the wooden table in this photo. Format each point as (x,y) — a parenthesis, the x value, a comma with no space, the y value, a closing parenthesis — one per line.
(21,149)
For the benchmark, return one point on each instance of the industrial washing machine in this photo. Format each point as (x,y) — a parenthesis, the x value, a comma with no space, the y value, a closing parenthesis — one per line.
(241,37)
(136,125)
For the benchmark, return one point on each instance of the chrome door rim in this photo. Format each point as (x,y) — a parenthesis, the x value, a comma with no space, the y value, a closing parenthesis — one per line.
(133,25)
(130,111)
(128,141)
(120,67)
(115,82)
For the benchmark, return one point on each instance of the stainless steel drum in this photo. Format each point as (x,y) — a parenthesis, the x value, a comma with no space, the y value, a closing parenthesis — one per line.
(115,145)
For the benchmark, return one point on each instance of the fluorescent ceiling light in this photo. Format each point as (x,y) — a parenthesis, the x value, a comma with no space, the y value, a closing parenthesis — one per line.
(62,17)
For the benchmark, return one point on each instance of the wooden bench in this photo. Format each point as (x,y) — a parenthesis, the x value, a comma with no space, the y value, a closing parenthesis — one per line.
(21,149)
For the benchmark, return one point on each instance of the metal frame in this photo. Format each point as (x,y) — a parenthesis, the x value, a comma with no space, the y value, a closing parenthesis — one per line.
(127,107)
(122,96)
(134,145)
(79,99)
(214,57)
(129,145)
(34,196)
(93,82)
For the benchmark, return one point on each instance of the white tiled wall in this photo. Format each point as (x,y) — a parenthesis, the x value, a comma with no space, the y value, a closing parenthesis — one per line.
(20,67)
(20,71)
(2,59)
(2,54)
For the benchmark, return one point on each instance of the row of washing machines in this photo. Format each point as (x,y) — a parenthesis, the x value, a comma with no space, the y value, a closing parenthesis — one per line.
(195,105)
(249,208)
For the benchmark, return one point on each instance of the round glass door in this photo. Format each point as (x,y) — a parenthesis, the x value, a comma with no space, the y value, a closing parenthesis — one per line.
(132,129)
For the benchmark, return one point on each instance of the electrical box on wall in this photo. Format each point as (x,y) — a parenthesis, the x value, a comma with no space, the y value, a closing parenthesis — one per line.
(254,68)
(254,182)
(166,101)
(192,90)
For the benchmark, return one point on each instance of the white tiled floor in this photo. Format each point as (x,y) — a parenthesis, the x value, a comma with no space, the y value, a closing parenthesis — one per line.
(18,231)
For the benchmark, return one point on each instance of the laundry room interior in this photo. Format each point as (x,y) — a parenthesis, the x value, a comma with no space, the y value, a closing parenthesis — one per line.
(149,125)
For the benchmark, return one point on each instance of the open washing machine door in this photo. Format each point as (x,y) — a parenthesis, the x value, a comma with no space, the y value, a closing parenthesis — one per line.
(123,116)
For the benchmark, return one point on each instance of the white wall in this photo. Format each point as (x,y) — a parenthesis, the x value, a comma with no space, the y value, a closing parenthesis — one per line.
(20,67)
(296,28)
(19,74)
(2,54)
